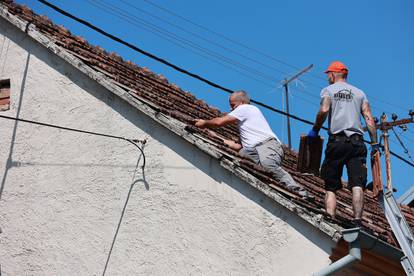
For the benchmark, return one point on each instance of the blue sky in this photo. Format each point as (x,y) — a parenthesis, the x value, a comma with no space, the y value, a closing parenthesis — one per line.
(374,38)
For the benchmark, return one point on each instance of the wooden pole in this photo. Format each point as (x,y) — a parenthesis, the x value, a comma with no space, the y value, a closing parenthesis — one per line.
(385,136)
(385,126)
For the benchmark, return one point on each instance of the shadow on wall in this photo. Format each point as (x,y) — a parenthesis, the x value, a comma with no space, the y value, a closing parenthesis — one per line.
(143,179)
(161,134)
(9,161)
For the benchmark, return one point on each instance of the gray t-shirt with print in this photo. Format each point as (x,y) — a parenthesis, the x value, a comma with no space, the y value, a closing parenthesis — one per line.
(346,108)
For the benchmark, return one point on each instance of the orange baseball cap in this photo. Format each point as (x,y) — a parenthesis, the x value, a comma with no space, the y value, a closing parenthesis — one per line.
(337,66)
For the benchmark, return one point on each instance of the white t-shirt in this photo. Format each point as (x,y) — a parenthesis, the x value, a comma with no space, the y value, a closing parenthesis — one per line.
(252,125)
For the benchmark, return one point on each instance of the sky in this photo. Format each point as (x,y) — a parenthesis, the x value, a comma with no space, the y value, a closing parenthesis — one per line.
(254,45)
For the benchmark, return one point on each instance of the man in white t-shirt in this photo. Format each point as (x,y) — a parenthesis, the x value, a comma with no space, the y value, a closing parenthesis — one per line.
(258,142)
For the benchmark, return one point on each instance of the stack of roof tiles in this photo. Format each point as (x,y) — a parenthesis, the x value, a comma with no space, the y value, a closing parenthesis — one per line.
(171,100)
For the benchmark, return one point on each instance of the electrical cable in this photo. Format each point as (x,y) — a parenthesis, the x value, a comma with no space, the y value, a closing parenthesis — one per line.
(250,48)
(184,71)
(109,8)
(204,39)
(126,16)
(388,103)
(406,138)
(201,37)
(114,10)
(152,56)
(402,145)
(227,38)
(132,141)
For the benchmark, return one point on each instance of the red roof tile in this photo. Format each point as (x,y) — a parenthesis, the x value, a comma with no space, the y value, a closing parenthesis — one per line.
(169,99)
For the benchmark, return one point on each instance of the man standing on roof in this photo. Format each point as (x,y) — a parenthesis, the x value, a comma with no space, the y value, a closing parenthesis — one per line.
(345,104)
(258,142)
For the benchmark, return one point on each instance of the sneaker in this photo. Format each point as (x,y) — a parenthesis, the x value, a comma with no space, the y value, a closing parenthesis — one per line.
(306,196)
(330,219)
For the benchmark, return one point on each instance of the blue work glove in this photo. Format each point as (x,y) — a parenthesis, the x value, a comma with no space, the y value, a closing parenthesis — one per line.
(374,149)
(313,134)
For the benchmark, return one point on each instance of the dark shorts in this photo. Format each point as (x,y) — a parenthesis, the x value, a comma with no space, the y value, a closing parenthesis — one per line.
(348,151)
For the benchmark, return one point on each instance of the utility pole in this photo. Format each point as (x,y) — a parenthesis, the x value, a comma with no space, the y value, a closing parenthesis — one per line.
(399,226)
(286,85)
(384,127)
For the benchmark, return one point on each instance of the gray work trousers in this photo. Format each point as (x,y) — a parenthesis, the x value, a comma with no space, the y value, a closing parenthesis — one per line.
(269,154)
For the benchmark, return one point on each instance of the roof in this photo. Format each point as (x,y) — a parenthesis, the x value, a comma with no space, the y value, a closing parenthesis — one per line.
(177,109)
(407,198)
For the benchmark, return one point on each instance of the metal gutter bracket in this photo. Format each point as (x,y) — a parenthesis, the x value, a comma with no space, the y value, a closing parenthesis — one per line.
(350,236)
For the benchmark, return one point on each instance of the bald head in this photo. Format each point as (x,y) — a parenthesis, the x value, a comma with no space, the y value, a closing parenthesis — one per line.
(238,98)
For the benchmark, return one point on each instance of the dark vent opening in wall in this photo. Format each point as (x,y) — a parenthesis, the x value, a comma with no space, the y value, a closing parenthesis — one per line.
(4,94)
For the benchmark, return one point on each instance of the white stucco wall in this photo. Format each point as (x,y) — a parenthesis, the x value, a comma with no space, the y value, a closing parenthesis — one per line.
(64,193)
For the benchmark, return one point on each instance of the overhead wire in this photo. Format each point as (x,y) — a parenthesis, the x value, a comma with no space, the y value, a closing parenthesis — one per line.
(184,71)
(129,140)
(219,45)
(401,132)
(226,37)
(406,151)
(406,138)
(253,49)
(110,9)
(203,38)
(122,14)
(390,104)
(128,17)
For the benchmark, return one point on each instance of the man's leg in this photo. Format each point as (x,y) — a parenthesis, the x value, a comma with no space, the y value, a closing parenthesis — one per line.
(271,156)
(358,201)
(357,173)
(330,203)
(331,173)
(250,153)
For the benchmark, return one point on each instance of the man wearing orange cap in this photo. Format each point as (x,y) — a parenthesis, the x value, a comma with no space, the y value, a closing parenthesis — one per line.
(345,104)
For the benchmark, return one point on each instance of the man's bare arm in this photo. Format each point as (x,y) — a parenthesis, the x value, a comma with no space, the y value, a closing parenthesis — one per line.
(322,113)
(233,145)
(369,119)
(236,145)
(216,122)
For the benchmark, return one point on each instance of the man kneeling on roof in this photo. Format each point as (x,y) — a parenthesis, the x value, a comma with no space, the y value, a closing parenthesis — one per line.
(258,142)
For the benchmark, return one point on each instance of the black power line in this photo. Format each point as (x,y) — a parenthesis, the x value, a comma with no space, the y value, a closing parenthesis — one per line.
(225,37)
(182,42)
(204,39)
(165,62)
(184,71)
(135,48)
(189,45)
(132,141)
(248,47)
(402,144)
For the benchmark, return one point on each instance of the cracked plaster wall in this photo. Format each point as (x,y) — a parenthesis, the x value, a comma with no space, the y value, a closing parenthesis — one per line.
(65,194)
